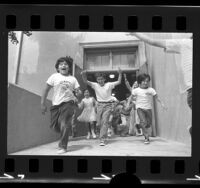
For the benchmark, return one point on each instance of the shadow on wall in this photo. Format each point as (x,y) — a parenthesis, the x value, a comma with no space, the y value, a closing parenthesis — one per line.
(27,127)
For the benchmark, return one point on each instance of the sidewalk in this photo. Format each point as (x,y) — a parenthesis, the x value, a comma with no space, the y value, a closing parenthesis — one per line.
(117,146)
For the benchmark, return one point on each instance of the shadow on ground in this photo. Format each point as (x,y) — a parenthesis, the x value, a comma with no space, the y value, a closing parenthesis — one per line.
(78,147)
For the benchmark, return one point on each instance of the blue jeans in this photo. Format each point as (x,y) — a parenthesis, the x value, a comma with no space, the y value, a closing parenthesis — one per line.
(104,111)
(145,116)
(61,117)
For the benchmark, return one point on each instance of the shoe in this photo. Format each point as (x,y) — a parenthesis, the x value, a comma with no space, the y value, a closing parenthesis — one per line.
(61,151)
(146,141)
(102,143)
(88,136)
(94,135)
(109,135)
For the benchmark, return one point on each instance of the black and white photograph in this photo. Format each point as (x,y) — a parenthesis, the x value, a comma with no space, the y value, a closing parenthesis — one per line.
(99,94)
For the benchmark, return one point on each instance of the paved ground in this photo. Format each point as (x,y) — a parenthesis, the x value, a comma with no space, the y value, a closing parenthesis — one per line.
(116,146)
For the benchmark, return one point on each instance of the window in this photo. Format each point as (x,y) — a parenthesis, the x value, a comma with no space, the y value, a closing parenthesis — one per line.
(104,59)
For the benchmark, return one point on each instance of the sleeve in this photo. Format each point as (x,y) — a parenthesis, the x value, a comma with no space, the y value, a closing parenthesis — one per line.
(112,84)
(76,84)
(153,92)
(173,46)
(93,84)
(50,80)
(134,92)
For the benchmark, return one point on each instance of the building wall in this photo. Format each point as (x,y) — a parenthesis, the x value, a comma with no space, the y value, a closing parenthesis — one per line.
(26,127)
(171,124)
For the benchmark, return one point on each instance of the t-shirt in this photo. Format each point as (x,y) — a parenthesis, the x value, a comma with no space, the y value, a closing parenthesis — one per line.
(143,97)
(103,93)
(63,87)
(183,51)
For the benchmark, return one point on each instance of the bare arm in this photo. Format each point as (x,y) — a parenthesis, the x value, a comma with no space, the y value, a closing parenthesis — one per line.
(153,42)
(84,77)
(81,105)
(120,76)
(43,98)
(161,103)
(129,102)
(78,92)
(127,83)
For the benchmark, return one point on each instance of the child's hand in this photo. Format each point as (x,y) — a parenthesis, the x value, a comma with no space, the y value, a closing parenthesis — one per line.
(125,76)
(44,109)
(83,72)
(119,70)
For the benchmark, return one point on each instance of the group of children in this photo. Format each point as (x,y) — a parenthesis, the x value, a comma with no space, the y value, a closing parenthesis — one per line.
(105,110)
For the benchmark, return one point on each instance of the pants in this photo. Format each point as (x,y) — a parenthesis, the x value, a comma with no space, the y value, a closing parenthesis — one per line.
(103,113)
(74,118)
(145,117)
(61,117)
(134,120)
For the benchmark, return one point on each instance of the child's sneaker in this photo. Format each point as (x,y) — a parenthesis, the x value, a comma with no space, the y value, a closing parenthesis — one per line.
(61,151)
(94,135)
(88,136)
(102,143)
(109,132)
(146,141)
(139,132)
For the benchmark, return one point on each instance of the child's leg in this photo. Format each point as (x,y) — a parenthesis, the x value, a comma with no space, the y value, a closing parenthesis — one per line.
(105,123)
(143,122)
(88,130)
(149,118)
(132,123)
(74,117)
(65,124)
(92,124)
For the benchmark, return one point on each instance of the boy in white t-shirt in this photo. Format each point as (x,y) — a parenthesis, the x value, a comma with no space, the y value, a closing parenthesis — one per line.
(66,88)
(143,102)
(104,97)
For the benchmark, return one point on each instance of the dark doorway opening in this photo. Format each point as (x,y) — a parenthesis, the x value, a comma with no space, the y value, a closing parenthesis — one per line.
(121,90)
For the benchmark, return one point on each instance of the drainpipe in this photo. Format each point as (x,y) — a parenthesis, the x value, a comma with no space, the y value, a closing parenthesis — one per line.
(18,58)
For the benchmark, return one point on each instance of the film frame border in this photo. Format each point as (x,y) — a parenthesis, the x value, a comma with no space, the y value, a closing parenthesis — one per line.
(112,18)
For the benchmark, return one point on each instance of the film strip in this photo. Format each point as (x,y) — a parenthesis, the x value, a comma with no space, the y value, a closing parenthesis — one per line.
(100,167)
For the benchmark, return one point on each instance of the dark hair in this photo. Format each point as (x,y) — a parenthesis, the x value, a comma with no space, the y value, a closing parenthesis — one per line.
(100,74)
(86,90)
(142,77)
(68,60)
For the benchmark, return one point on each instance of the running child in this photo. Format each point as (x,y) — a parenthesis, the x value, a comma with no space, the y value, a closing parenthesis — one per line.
(144,95)
(88,114)
(104,100)
(65,89)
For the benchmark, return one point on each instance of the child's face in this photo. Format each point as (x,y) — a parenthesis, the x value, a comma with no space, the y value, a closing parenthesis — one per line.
(86,93)
(135,85)
(101,80)
(63,68)
(144,84)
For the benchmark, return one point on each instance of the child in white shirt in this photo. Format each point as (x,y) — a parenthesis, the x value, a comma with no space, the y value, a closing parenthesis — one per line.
(66,88)
(104,97)
(143,102)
